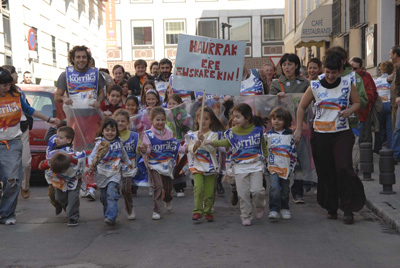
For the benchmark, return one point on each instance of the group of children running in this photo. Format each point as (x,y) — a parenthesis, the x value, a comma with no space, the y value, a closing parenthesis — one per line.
(248,148)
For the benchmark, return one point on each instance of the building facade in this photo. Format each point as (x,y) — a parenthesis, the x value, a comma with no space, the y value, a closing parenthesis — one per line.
(149,29)
(37,35)
(365,28)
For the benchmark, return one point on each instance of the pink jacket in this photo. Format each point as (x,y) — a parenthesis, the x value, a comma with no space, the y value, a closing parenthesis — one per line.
(165,134)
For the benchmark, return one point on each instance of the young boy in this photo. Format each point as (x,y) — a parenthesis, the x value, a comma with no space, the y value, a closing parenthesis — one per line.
(113,101)
(66,169)
(281,162)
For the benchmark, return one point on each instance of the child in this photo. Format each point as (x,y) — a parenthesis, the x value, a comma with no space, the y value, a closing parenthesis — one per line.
(151,99)
(132,105)
(281,162)
(66,172)
(179,187)
(113,101)
(125,90)
(203,163)
(130,142)
(162,150)
(106,158)
(248,147)
(149,84)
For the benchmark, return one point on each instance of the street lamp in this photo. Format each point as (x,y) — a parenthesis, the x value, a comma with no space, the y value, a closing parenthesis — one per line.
(224,25)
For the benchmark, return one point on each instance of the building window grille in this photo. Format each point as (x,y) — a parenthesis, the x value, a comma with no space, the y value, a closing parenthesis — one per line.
(336,17)
(354,13)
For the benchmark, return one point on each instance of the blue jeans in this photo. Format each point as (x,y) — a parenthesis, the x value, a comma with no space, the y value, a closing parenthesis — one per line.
(385,128)
(278,193)
(109,198)
(396,136)
(11,177)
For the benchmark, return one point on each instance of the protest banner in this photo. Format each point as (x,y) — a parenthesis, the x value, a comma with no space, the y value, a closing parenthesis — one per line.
(207,64)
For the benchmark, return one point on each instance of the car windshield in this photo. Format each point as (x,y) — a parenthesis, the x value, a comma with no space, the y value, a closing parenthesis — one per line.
(42,102)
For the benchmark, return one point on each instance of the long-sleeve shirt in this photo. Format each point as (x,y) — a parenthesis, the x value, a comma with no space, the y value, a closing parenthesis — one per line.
(395,86)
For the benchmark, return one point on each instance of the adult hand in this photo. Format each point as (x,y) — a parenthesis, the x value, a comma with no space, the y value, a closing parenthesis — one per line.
(96,104)
(297,135)
(281,94)
(54,121)
(67,101)
(398,101)
(346,112)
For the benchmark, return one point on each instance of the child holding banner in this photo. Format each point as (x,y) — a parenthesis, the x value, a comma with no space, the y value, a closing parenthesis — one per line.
(248,148)
(162,150)
(203,163)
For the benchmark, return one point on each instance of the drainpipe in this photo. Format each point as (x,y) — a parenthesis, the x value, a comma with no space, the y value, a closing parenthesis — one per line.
(295,22)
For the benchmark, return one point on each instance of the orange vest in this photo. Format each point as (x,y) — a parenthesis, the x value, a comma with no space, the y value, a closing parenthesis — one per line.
(10,111)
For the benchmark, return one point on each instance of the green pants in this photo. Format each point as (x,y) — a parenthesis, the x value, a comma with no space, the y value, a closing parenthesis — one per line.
(203,193)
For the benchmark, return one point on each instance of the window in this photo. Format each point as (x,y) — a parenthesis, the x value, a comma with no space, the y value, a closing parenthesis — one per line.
(240,30)
(5,4)
(207,27)
(272,29)
(7,33)
(363,42)
(42,102)
(142,33)
(354,12)
(336,17)
(172,31)
(53,49)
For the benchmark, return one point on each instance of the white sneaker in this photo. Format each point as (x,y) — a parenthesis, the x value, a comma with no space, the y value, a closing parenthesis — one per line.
(82,193)
(10,221)
(180,194)
(132,216)
(151,191)
(173,192)
(168,205)
(273,215)
(156,216)
(285,214)
(91,194)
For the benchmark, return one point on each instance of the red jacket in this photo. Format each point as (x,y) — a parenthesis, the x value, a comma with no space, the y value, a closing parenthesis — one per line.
(370,90)
(106,106)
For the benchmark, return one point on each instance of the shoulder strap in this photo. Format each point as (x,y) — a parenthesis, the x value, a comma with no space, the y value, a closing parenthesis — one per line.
(281,85)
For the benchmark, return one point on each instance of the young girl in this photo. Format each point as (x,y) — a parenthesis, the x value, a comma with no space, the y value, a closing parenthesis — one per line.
(130,142)
(248,147)
(281,162)
(125,90)
(162,150)
(113,101)
(203,163)
(149,84)
(132,105)
(106,159)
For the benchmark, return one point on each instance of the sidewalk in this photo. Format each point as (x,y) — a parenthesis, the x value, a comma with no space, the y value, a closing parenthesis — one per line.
(385,206)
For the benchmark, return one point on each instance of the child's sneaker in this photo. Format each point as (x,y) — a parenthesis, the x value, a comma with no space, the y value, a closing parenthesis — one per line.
(260,213)
(132,216)
(151,191)
(246,222)
(156,216)
(298,199)
(91,194)
(10,221)
(109,221)
(180,194)
(82,193)
(72,223)
(273,215)
(168,205)
(196,216)
(285,214)
(209,218)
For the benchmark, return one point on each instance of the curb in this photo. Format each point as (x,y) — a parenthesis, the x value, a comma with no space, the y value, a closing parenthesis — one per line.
(383,214)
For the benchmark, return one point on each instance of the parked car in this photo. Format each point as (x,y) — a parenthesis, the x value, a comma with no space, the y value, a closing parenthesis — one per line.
(42,99)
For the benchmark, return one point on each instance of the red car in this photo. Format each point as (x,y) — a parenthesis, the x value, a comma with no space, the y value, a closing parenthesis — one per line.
(42,99)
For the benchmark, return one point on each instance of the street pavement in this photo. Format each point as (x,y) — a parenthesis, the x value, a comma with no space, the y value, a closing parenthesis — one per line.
(385,206)
(309,239)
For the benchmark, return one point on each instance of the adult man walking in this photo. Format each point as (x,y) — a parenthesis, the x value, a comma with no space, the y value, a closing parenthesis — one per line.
(395,100)
(162,81)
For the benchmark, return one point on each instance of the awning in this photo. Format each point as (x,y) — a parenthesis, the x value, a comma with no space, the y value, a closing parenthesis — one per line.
(315,29)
